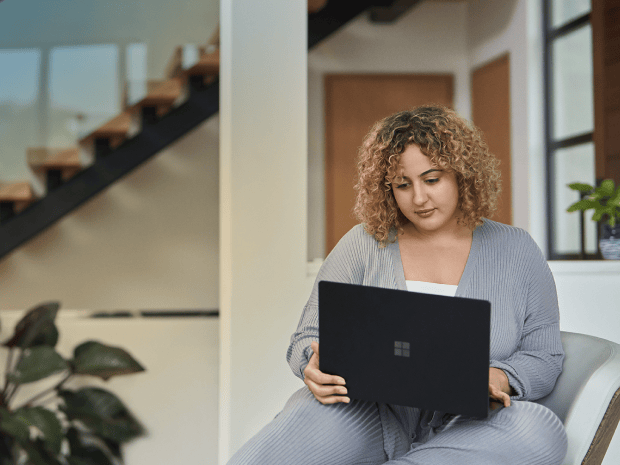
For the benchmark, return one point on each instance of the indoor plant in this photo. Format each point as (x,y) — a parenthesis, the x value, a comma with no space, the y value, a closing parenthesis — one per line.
(60,426)
(605,201)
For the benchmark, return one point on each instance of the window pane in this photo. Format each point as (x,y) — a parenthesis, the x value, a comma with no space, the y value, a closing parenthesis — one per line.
(19,76)
(136,72)
(19,118)
(84,91)
(573,100)
(575,164)
(563,11)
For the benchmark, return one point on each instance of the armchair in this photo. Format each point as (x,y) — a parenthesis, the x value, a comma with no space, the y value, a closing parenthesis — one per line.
(586,396)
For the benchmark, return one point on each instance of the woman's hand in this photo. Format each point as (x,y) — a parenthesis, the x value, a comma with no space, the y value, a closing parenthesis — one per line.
(499,388)
(328,389)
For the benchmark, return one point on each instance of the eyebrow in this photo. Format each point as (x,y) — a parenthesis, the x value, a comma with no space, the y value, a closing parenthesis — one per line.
(429,171)
(423,174)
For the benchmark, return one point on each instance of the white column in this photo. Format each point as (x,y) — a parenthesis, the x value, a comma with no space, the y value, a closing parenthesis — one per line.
(263,177)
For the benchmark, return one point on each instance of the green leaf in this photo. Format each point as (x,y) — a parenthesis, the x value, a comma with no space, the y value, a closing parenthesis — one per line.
(96,359)
(13,426)
(101,412)
(46,422)
(84,454)
(38,455)
(606,189)
(6,449)
(581,187)
(36,327)
(37,363)
(114,448)
(89,455)
(78,461)
(598,214)
(584,204)
(615,200)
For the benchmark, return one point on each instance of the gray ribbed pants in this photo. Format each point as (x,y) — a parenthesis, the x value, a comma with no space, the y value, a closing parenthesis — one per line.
(307,432)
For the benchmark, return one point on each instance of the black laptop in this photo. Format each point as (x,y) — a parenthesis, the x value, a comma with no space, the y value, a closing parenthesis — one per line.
(406,348)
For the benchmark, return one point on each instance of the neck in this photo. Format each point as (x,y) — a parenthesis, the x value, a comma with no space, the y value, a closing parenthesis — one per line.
(450,232)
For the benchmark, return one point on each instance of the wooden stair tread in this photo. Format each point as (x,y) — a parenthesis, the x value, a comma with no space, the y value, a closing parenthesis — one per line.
(315,5)
(118,126)
(207,64)
(47,158)
(16,192)
(165,93)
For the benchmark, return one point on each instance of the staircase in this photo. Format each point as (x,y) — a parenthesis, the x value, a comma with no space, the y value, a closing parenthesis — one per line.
(170,109)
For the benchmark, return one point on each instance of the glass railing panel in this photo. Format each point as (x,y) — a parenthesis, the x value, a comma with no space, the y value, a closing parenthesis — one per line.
(83,91)
(19,109)
(136,80)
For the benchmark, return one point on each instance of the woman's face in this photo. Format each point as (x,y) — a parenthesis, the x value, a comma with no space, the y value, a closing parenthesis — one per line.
(427,195)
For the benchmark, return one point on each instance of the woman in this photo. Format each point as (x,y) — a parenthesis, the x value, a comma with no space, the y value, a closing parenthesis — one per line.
(427,183)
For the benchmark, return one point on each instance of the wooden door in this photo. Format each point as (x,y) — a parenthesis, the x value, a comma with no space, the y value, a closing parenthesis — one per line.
(353,103)
(491,113)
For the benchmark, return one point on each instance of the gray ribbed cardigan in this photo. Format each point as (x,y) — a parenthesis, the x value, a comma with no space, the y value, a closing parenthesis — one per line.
(505,267)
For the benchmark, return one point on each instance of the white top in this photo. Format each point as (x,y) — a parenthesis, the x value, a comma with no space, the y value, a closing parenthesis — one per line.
(431,288)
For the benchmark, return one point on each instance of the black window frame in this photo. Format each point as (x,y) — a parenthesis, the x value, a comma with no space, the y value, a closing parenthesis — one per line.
(552,145)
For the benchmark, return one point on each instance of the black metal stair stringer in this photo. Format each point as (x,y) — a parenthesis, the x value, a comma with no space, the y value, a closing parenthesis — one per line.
(202,104)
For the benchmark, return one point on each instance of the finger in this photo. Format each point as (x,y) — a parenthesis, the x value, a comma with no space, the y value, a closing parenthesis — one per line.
(333,399)
(499,395)
(502,398)
(314,361)
(315,347)
(320,390)
(329,398)
(495,405)
(322,378)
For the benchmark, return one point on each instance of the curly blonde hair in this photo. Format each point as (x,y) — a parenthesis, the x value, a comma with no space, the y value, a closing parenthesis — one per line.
(449,141)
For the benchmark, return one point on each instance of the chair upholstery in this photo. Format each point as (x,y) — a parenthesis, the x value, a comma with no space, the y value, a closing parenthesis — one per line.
(586,396)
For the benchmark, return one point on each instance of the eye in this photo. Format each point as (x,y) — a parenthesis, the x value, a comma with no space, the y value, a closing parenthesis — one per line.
(402,185)
(431,181)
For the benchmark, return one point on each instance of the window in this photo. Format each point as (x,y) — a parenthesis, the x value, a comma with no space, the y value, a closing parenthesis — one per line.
(569,125)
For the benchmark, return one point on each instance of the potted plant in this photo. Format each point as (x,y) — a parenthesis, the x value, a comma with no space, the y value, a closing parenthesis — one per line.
(62,426)
(605,201)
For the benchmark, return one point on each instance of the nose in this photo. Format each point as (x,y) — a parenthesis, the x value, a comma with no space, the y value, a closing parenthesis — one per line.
(419,196)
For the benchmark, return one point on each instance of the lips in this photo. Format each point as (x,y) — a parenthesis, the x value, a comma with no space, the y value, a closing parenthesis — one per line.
(425,213)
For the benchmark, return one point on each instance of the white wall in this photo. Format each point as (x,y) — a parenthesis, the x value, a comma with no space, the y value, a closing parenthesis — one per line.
(263,218)
(148,241)
(431,38)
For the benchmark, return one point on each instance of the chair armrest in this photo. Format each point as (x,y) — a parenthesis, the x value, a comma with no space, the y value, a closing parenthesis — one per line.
(583,395)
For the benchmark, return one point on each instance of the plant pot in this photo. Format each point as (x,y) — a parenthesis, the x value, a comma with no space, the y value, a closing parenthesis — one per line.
(610,242)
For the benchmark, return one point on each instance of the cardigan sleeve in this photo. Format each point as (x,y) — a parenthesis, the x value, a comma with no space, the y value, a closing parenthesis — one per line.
(344,264)
(534,367)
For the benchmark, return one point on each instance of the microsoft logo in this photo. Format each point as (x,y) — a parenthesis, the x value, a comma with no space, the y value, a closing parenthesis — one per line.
(401,348)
